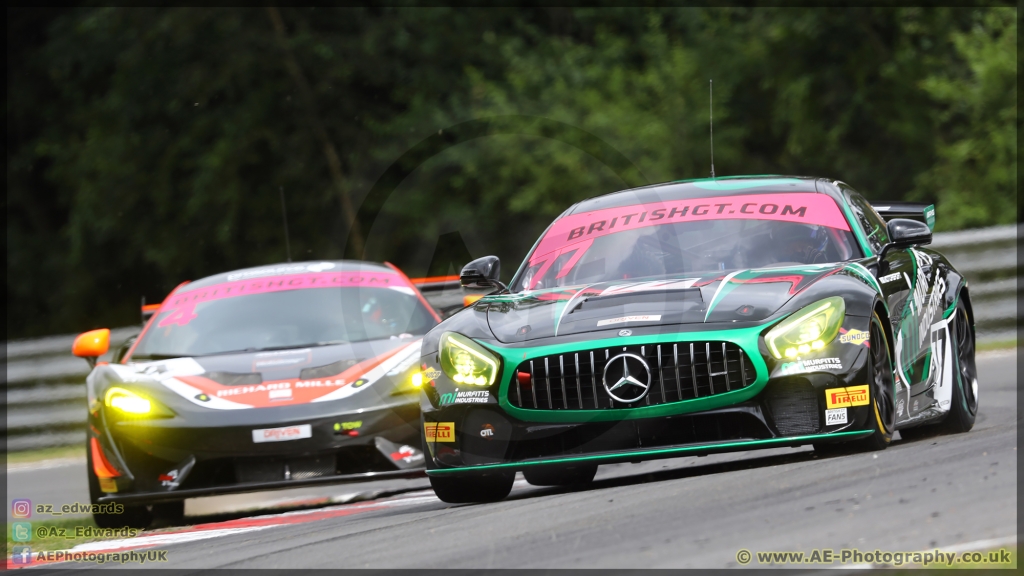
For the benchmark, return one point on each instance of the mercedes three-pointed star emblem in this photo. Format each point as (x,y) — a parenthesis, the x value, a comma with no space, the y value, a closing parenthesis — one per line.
(618,374)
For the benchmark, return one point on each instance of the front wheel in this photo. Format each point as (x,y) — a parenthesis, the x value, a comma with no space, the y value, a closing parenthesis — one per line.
(882,399)
(883,394)
(489,487)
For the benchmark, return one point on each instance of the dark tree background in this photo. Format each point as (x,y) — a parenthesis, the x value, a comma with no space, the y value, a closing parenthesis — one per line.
(147,146)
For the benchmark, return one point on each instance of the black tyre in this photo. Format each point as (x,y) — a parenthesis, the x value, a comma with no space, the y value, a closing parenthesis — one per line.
(963,407)
(133,516)
(571,476)
(489,487)
(883,390)
(883,397)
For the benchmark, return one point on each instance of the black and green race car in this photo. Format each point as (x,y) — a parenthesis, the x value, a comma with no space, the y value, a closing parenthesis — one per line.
(697,317)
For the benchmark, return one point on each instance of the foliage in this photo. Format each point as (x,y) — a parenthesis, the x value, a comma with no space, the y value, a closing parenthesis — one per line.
(147,146)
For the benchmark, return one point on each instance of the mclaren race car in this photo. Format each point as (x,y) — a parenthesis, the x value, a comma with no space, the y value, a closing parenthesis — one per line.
(269,377)
(697,317)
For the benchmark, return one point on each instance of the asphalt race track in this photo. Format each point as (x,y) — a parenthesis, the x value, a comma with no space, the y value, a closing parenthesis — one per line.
(942,491)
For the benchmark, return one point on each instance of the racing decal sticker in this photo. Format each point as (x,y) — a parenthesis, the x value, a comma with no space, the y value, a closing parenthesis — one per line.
(180,307)
(576,233)
(889,278)
(639,318)
(282,434)
(173,478)
(846,397)
(186,377)
(810,365)
(659,285)
(854,336)
(487,432)
(923,346)
(439,431)
(835,416)
(464,397)
(384,366)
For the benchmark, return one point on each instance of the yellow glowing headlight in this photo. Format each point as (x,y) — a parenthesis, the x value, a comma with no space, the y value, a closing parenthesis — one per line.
(467,362)
(131,404)
(809,329)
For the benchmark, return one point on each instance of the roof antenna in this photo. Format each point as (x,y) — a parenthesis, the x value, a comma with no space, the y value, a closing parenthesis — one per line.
(711,108)
(284,216)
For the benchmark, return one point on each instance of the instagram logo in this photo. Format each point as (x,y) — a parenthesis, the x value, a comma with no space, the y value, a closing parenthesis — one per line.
(21,508)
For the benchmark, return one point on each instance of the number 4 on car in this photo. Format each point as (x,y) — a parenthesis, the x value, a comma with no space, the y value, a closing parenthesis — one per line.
(698,317)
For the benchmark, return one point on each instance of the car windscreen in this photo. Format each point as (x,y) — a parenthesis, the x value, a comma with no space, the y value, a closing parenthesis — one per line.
(284,319)
(688,238)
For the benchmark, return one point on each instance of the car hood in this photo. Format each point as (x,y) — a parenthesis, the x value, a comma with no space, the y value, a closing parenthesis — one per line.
(740,295)
(279,377)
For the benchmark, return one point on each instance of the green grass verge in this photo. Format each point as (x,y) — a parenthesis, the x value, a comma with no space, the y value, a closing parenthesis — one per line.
(996,345)
(46,454)
(61,533)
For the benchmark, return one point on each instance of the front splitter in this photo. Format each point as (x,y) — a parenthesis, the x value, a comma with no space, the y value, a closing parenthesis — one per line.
(657,453)
(176,495)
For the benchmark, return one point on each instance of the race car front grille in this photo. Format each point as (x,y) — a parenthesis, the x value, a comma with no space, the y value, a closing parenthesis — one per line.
(679,371)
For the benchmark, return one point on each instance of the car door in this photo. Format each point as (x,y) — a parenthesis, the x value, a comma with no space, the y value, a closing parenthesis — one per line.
(902,278)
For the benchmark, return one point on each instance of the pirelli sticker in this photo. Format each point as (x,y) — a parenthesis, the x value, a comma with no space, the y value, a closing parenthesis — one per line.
(846,397)
(439,431)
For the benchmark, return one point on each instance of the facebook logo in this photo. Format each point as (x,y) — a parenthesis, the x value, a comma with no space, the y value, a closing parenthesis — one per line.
(21,555)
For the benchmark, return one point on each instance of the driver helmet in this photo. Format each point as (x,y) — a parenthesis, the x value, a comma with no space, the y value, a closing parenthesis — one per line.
(804,243)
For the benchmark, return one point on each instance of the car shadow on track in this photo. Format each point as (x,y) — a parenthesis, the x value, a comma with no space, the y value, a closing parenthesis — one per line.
(675,473)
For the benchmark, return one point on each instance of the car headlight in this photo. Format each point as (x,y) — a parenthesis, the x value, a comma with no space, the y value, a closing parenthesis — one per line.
(133,405)
(467,362)
(808,329)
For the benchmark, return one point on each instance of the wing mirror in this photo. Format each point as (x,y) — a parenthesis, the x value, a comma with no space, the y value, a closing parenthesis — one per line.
(904,233)
(482,273)
(91,345)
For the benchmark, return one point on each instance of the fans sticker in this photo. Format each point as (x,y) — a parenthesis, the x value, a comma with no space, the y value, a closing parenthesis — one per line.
(835,416)
(439,431)
(844,397)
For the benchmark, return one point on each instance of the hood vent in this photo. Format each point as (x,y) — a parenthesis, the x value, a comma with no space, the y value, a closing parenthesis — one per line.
(327,370)
(235,378)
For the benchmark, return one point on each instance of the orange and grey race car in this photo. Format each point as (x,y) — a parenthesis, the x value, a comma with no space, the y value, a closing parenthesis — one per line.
(262,378)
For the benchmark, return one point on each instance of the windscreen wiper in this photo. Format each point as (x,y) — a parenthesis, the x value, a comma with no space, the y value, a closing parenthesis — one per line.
(138,357)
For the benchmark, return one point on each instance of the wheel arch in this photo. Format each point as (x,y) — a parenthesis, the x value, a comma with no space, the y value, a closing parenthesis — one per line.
(879,308)
(964,293)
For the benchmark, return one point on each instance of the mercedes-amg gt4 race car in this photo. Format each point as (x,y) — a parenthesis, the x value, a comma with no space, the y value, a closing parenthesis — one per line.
(698,317)
(270,377)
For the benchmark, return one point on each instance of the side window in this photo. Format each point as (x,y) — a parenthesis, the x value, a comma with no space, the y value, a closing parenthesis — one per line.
(870,222)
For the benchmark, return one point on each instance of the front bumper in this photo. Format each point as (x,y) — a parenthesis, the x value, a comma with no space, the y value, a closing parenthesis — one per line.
(786,404)
(163,460)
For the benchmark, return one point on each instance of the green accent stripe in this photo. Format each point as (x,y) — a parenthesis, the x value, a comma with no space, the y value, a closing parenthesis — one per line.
(659,452)
(857,232)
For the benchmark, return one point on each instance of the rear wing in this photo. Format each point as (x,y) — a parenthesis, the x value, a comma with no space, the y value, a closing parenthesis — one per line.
(913,210)
(446,294)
